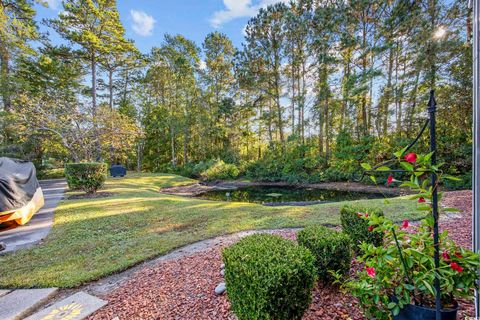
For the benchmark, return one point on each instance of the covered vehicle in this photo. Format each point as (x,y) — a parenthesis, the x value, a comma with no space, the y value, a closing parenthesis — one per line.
(20,193)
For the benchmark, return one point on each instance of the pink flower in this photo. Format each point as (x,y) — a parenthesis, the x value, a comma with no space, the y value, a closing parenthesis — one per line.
(421,200)
(411,157)
(359,214)
(366,215)
(405,224)
(455,266)
(371,272)
(370,228)
(390,179)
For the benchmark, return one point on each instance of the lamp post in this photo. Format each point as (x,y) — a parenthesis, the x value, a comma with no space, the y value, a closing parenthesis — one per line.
(439,33)
(476,139)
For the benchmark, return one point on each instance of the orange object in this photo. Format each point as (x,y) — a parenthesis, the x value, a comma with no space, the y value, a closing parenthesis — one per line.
(22,215)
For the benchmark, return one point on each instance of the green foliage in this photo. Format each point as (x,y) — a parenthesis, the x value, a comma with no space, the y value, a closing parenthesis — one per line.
(332,250)
(56,173)
(356,226)
(269,277)
(202,166)
(220,171)
(403,265)
(88,177)
(464,182)
(385,276)
(299,164)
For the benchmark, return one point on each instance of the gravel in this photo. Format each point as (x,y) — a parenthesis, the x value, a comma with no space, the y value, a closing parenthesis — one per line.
(185,288)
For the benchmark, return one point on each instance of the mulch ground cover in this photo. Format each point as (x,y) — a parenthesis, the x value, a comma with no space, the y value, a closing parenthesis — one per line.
(184,288)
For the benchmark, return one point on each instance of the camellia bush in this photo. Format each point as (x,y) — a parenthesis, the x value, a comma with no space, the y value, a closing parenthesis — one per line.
(268,277)
(401,270)
(88,177)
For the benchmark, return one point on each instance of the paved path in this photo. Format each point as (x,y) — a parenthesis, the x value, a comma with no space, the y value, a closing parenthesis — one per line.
(36,229)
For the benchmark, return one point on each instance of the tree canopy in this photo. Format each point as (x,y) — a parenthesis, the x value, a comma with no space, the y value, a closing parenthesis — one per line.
(316,88)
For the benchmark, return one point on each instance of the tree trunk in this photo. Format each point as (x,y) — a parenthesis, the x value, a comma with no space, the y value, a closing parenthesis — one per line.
(139,157)
(98,151)
(277,102)
(172,146)
(388,93)
(345,89)
(5,90)
(363,111)
(5,81)
(327,130)
(304,93)
(293,98)
(320,130)
(110,89)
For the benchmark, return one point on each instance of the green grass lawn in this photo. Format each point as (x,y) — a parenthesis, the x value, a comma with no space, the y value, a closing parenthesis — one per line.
(92,238)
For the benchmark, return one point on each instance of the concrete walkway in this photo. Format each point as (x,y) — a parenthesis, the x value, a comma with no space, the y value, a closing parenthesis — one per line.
(35,230)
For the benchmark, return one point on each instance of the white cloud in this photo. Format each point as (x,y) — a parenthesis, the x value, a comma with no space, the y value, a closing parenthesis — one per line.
(239,9)
(52,4)
(142,23)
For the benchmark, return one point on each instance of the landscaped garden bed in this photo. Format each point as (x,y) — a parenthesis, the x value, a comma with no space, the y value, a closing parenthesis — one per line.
(184,288)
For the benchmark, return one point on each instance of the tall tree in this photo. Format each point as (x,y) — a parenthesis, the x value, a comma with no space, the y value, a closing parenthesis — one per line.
(17,29)
(219,80)
(95,26)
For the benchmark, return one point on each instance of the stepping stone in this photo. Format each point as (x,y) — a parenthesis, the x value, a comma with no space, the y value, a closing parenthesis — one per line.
(76,307)
(18,303)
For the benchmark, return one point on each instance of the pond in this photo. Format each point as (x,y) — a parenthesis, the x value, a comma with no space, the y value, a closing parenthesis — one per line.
(291,195)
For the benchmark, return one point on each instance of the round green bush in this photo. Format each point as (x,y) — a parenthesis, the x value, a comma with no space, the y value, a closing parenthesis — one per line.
(88,177)
(356,226)
(332,250)
(268,277)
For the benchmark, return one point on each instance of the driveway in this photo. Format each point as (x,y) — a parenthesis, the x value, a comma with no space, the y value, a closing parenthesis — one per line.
(39,226)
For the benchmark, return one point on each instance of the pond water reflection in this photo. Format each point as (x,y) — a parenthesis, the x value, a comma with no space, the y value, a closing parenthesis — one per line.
(275,194)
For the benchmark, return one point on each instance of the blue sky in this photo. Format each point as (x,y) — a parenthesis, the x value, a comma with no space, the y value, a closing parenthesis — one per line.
(147,21)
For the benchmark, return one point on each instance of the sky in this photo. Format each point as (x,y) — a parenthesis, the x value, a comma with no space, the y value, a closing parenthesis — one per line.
(147,21)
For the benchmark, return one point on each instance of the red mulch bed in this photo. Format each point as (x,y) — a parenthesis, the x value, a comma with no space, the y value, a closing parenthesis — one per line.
(184,288)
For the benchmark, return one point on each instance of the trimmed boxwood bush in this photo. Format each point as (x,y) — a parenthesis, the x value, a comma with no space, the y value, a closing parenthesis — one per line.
(88,177)
(356,226)
(332,250)
(268,277)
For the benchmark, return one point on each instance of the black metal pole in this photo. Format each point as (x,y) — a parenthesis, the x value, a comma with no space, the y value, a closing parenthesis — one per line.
(432,108)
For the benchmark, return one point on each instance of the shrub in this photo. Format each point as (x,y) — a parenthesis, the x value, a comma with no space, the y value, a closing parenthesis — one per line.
(220,170)
(45,174)
(356,226)
(201,167)
(332,250)
(88,177)
(268,277)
